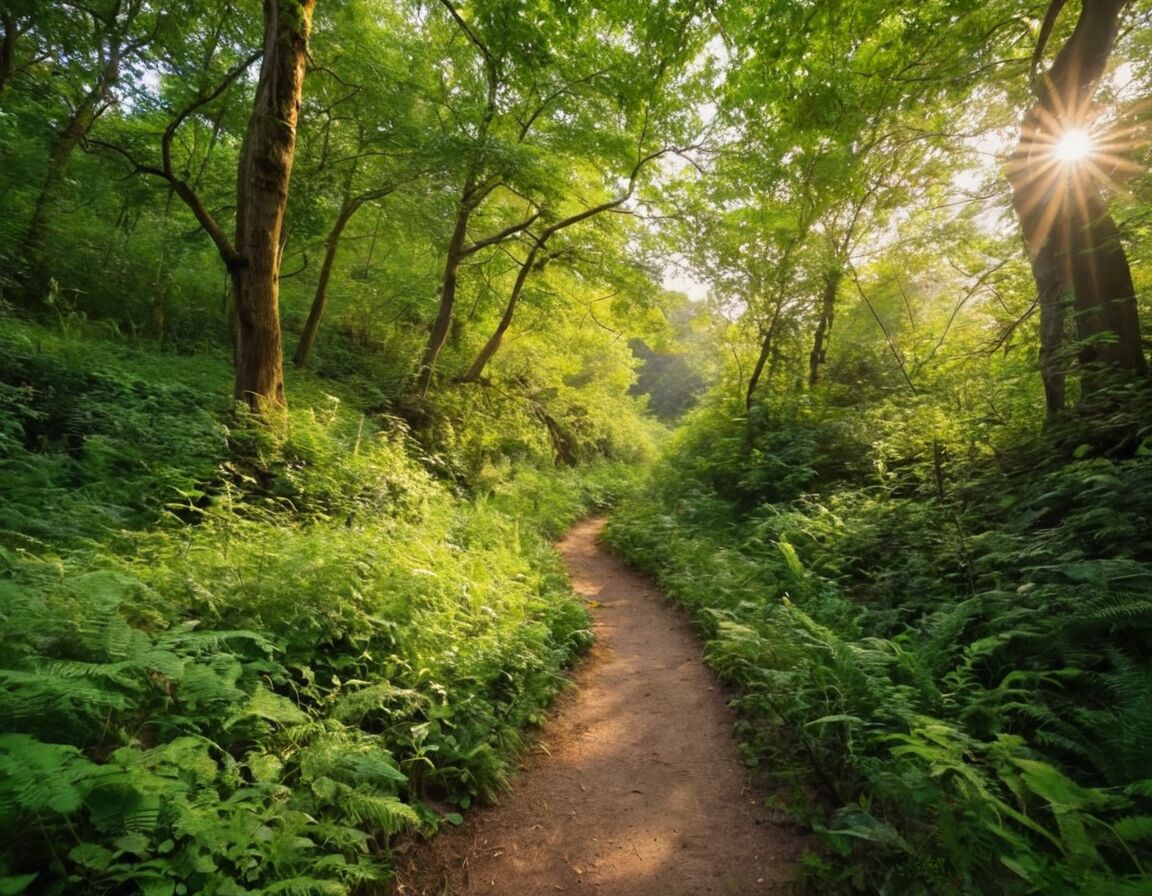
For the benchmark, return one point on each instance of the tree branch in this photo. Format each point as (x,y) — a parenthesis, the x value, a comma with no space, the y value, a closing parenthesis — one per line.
(883,328)
(201,100)
(500,236)
(473,38)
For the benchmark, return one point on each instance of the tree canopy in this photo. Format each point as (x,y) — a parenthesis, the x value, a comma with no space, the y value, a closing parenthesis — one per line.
(874,276)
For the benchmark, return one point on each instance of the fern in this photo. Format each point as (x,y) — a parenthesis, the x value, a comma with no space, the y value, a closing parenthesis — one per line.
(386,814)
(381,701)
(41,702)
(38,777)
(1119,610)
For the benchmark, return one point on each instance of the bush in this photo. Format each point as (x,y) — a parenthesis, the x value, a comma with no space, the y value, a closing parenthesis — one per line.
(962,682)
(248,671)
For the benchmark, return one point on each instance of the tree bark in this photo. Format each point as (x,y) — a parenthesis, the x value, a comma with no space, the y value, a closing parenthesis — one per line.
(34,277)
(1053,294)
(320,298)
(819,353)
(1107,320)
(263,178)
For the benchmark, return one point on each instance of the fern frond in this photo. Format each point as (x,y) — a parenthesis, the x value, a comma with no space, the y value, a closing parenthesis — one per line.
(357,706)
(1120,609)
(37,777)
(268,707)
(38,699)
(371,766)
(1134,828)
(386,814)
(124,675)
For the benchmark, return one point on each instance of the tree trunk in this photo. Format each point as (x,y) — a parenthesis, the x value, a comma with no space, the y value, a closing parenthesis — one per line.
(819,353)
(1053,293)
(529,264)
(263,178)
(8,48)
(441,327)
(1107,320)
(493,344)
(158,316)
(34,277)
(1073,243)
(320,299)
(767,339)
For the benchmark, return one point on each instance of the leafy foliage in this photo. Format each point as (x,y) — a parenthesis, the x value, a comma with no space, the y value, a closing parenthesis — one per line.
(242,654)
(240,659)
(961,681)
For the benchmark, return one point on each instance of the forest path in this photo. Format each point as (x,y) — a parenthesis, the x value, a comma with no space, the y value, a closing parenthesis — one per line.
(635,787)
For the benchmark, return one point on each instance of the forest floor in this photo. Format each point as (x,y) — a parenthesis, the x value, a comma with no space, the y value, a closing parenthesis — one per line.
(635,787)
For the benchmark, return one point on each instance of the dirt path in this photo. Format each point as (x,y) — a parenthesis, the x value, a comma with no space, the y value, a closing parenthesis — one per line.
(636,787)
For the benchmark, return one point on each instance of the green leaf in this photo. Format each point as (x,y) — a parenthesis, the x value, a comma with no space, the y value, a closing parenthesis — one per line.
(1134,827)
(92,855)
(837,717)
(1061,792)
(135,843)
(12,886)
(263,704)
(791,559)
(854,821)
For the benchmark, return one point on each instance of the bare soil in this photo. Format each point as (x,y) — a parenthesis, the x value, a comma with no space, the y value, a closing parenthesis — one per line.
(636,785)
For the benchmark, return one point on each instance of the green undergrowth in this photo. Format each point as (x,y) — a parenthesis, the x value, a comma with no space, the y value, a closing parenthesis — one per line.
(951,675)
(224,676)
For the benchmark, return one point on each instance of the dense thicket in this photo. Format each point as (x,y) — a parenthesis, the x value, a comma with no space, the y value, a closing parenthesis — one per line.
(236,676)
(923,558)
(250,640)
(947,659)
(246,647)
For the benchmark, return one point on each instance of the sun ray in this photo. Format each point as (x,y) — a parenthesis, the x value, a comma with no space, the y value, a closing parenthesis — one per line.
(1068,159)
(1074,145)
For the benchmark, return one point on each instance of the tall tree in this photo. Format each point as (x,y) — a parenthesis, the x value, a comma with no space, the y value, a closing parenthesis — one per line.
(550,92)
(113,34)
(1073,242)
(483,176)
(263,176)
(350,204)
(838,117)
(365,130)
(264,168)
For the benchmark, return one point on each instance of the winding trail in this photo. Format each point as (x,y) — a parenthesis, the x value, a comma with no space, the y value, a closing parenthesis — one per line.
(635,787)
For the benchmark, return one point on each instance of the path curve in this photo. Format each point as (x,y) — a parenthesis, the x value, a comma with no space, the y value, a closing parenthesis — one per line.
(635,787)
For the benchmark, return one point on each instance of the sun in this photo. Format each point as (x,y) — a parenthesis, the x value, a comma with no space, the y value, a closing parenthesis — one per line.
(1073,146)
